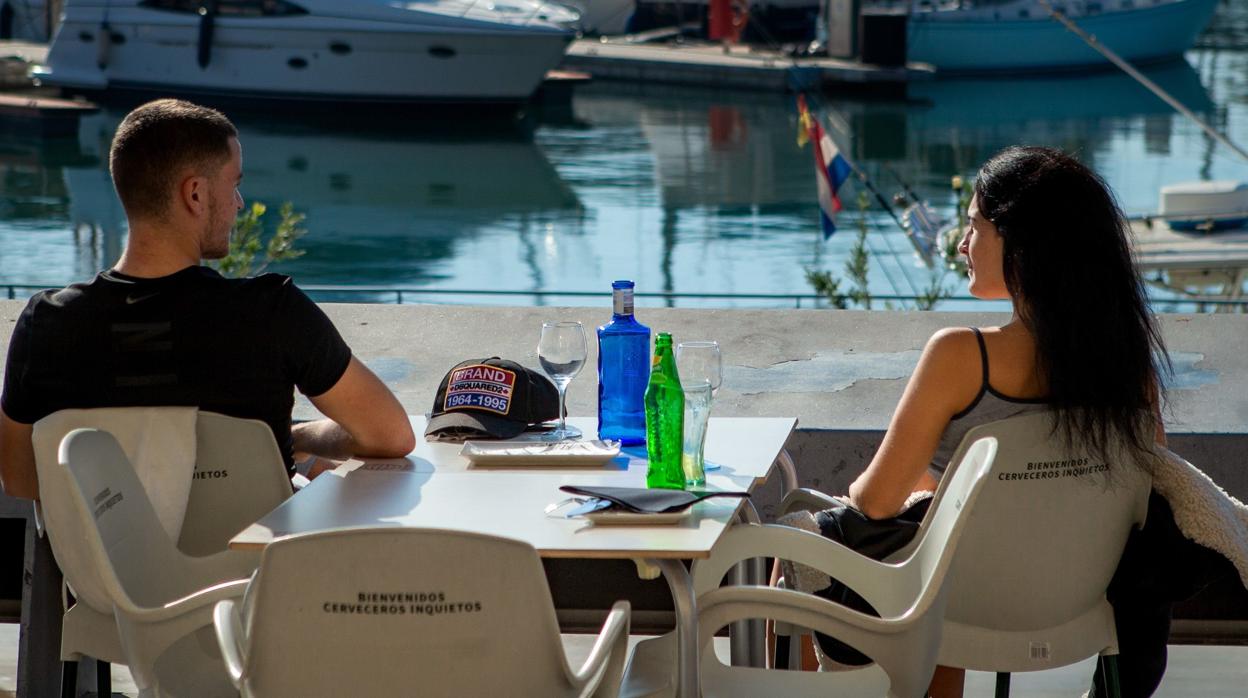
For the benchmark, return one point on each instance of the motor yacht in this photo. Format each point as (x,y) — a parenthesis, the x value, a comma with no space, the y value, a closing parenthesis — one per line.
(330,51)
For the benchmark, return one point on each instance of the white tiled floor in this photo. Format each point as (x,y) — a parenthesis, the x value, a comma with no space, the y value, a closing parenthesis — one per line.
(1194,672)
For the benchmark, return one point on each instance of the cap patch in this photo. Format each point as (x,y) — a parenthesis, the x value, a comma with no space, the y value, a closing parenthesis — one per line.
(480,387)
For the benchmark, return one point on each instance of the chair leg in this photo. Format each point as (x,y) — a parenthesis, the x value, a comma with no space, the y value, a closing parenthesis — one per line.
(781,660)
(1003,684)
(1110,665)
(69,679)
(39,642)
(103,679)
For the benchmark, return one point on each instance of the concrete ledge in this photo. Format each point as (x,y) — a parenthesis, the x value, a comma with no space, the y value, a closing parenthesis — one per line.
(840,373)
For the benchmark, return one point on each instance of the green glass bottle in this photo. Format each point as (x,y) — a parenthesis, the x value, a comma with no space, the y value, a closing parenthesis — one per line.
(665,418)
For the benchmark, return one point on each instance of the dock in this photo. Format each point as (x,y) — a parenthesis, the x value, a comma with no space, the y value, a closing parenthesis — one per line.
(42,116)
(28,51)
(1159,247)
(707,64)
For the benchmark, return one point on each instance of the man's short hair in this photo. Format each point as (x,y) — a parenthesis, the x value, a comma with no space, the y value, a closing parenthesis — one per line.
(156,142)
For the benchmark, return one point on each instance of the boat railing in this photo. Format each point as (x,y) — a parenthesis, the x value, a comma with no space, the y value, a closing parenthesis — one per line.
(1202,215)
(488,8)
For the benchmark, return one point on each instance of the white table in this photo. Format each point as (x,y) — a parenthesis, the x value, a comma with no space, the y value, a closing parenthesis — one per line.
(745,448)
(434,487)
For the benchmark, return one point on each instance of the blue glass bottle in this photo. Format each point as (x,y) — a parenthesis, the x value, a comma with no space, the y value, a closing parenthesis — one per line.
(623,371)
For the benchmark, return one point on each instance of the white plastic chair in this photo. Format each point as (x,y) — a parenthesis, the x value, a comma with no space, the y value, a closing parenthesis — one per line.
(394,611)
(239,477)
(162,599)
(217,507)
(1027,588)
(909,594)
(1052,540)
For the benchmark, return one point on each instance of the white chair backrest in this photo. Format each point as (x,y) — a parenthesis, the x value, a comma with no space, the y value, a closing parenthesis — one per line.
(948,526)
(239,477)
(437,613)
(132,555)
(163,436)
(1045,538)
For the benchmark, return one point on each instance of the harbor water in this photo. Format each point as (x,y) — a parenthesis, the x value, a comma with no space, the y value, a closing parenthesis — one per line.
(703,194)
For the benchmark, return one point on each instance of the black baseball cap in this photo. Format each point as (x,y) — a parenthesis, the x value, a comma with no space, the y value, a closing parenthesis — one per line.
(491,398)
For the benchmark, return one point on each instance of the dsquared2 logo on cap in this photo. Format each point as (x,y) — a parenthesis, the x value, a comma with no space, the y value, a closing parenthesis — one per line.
(480,387)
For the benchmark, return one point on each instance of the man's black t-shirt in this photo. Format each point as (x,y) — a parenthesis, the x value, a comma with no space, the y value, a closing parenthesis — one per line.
(234,346)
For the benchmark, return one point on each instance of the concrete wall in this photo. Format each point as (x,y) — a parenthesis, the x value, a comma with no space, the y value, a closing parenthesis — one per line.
(840,372)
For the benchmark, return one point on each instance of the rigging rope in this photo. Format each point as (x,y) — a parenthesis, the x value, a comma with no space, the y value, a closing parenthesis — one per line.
(1139,77)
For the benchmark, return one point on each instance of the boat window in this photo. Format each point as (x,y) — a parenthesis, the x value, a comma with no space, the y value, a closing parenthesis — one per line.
(230,8)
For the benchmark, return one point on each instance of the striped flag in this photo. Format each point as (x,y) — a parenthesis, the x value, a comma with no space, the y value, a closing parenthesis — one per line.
(831,168)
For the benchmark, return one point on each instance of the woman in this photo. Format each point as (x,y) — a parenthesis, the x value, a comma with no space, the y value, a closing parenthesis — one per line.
(1046,234)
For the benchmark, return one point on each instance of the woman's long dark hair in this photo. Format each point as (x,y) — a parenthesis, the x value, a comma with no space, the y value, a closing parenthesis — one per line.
(1068,266)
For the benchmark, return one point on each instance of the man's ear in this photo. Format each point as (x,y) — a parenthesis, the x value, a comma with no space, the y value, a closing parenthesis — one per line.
(193,195)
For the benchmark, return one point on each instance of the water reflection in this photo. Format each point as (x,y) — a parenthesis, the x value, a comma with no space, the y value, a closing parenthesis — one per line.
(951,126)
(383,207)
(723,170)
(685,190)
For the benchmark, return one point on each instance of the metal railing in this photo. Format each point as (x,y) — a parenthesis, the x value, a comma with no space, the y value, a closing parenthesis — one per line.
(409,294)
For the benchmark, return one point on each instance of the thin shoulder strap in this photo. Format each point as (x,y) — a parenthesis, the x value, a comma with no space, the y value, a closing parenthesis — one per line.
(983,352)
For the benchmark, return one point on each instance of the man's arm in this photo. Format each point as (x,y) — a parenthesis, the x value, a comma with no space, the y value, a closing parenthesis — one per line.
(17,459)
(365,419)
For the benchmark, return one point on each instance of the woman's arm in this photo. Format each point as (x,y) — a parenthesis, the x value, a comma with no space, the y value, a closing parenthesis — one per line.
(946,380)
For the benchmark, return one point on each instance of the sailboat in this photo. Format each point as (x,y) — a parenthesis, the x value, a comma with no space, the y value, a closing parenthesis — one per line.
(984,36)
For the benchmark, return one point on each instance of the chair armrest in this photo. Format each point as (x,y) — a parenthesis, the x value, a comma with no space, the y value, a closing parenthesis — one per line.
(229,630)
(718,608)
(147,633)
(224,566)
(905,648)
(877,582)
(612,643)
(804,498)
(202,599)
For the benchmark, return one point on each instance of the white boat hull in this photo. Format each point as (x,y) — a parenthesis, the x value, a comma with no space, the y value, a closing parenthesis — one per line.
(980,45)
(303,58)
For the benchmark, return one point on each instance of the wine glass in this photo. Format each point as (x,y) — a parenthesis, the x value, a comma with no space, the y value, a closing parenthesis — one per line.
(698,363)
(701,373)
(561,352)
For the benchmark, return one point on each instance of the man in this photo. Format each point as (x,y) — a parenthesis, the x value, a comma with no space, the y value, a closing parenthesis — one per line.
(159,329)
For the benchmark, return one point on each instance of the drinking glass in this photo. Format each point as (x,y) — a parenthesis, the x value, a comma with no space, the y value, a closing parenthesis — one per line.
(561,351)
(701,373)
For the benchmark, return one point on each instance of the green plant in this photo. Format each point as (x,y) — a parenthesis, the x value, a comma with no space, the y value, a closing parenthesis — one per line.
(933,293)
(857,268)
(828,286)
(247,240)
(859,264)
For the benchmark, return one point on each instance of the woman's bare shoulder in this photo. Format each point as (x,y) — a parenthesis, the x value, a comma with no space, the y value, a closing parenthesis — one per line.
(953,343)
